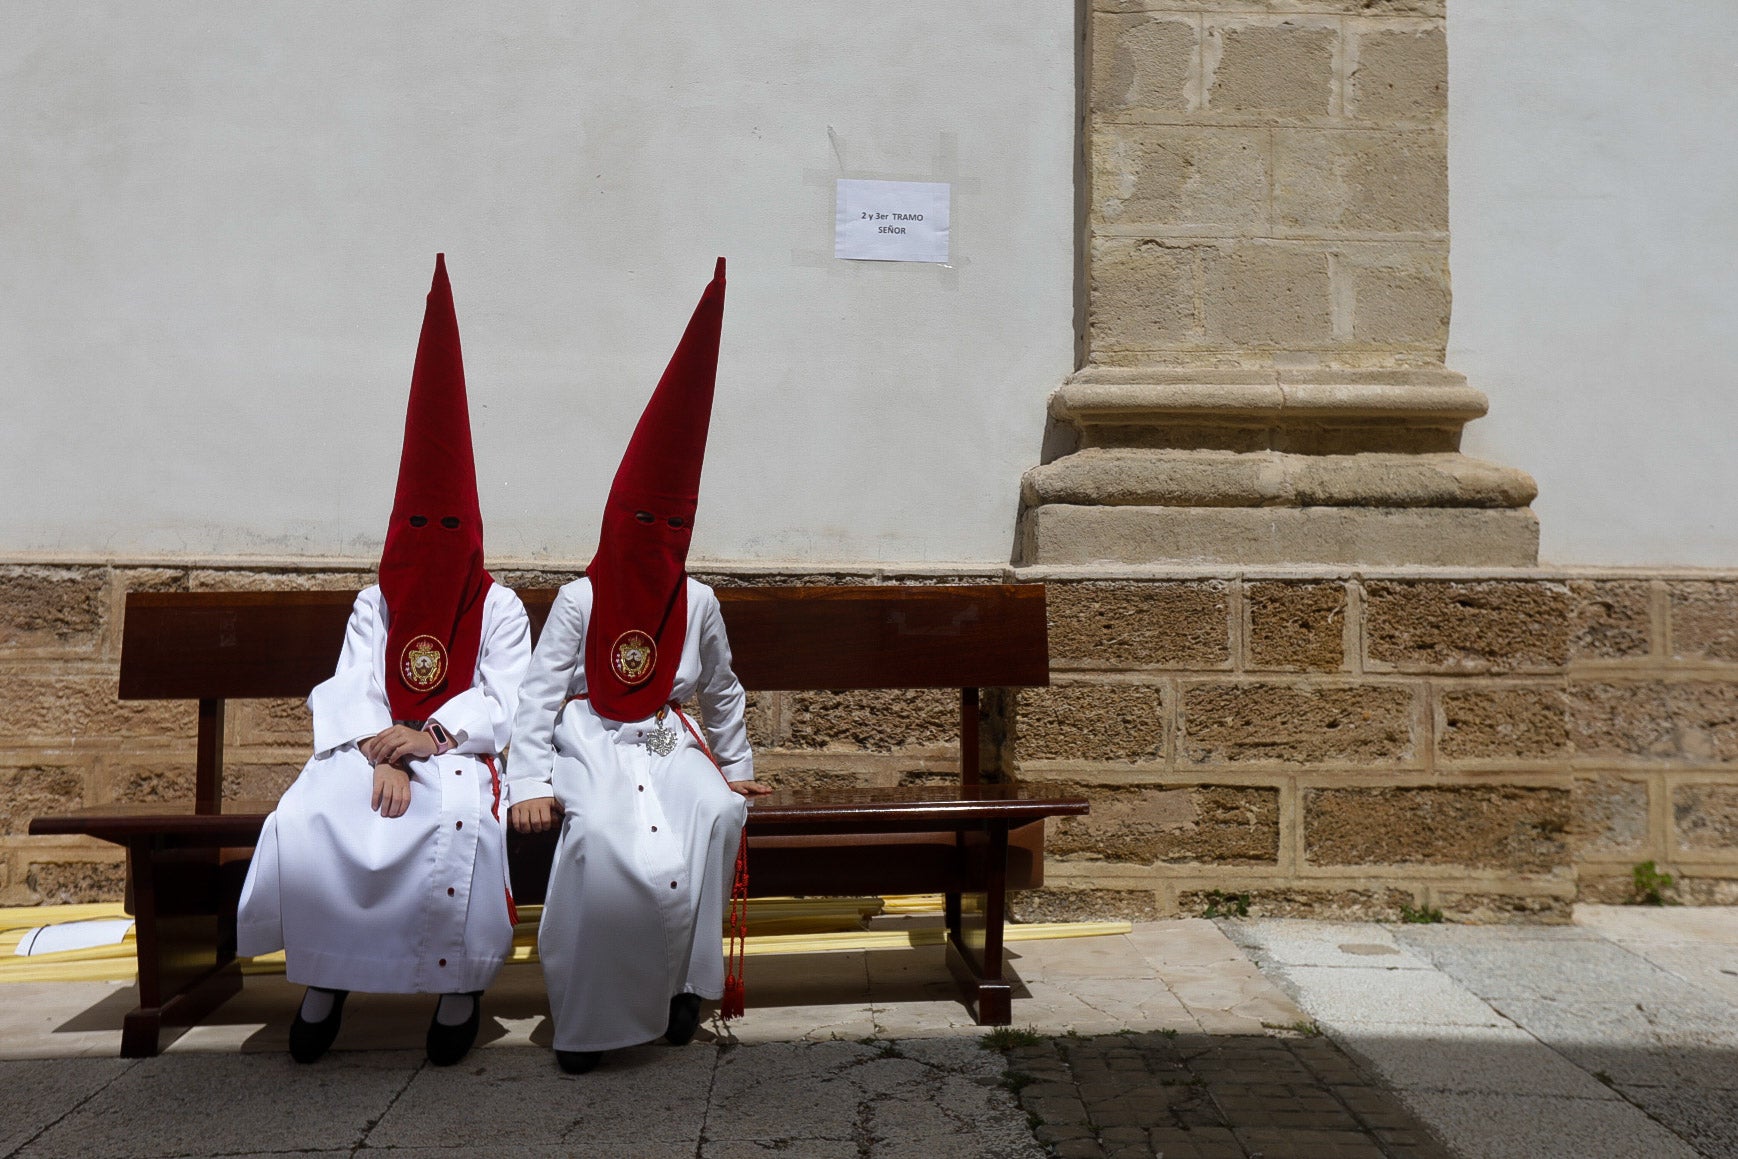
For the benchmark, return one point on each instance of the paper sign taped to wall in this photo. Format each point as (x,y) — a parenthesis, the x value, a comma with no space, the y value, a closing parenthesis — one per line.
(892,221)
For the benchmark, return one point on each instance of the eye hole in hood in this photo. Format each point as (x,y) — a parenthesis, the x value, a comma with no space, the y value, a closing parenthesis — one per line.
(419,521)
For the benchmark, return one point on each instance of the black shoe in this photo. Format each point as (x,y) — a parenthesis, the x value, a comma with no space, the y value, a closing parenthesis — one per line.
(578,1061)
(684,1019)
(309,1040)
(448,1044)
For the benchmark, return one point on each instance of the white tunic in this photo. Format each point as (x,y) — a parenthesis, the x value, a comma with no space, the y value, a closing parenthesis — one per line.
(416,904)
(648,843)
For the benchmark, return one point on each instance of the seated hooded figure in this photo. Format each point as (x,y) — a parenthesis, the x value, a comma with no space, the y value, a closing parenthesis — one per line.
(650,815)
(384,866)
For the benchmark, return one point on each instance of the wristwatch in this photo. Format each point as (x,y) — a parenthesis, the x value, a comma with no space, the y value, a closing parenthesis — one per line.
(442,738)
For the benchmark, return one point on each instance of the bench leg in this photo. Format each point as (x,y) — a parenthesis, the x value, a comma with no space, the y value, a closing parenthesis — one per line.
(184,926)
(975,942)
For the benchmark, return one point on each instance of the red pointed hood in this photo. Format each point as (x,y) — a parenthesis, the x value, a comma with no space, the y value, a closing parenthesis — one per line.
(431,570)
(639,615)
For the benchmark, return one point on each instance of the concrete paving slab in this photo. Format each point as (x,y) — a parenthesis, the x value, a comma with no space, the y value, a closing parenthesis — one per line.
(1486,1126)
(63,1019)
(1566,971)
(650,1094)
(643,1150)
(1293,942)
(1080,958)
(1185,942)
(1707,1120)
(166,1105)
(1487,1059)
(1334,995)
(1661,925)
(34,1096)
(1709,967)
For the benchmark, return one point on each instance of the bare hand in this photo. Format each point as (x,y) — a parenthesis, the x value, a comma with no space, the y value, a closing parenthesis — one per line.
(750,788)
(535,816)
(397,745)
(391,791)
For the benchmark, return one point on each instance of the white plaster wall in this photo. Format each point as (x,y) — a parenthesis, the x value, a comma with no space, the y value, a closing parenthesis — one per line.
(1593,194)
(218,221)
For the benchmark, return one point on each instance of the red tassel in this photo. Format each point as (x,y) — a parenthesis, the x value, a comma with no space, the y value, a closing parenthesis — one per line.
(735,1000)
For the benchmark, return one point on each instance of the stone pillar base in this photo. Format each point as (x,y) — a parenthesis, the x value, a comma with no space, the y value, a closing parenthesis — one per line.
(1277,466)
(1057,534)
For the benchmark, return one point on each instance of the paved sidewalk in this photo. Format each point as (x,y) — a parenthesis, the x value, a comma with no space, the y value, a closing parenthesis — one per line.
(1617,1036)
(859,1055)
(1192,1096)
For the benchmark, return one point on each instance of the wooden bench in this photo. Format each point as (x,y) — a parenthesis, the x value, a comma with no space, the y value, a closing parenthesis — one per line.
(186,863)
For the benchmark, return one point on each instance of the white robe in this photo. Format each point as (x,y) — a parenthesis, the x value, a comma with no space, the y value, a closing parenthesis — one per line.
(416,904)
(648,844)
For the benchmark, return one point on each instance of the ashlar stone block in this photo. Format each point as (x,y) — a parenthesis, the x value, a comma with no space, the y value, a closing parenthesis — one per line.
(1255,294)
(1523,830)
(1402,305)
(1224,824)
(66,707)
(1091,722)
(1058,904)
(1609,619)
(1143,293)
(1495,909)
(52,608)
(1706,817)
(1142,60)
(1704,620)
(278,721)
(135,783)
(1467,626)
(1324,904)
(76,882)
(1288,724)
(1296,626)
(876,720)
(1360,180)
(1653,720)
(1170,176)
(1401,75)
(32,790)
(1140,625)
(258,780)
(1609,815)
(1284,69)
(1504,723)
(244,580)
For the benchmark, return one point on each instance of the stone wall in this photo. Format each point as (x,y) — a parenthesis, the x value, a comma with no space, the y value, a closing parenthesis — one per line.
(1495,745)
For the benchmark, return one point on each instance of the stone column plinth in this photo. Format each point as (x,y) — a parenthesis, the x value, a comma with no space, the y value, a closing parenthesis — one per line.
(1267,301)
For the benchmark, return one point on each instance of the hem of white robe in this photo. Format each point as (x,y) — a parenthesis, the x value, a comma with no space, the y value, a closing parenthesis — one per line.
(255,938)
(342,972)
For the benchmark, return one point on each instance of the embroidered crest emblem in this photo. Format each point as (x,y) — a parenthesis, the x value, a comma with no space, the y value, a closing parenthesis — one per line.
(633,657)
(423,664)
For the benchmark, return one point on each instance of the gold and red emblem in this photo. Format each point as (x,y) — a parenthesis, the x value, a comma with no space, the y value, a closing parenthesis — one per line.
(423,663)
(633,656)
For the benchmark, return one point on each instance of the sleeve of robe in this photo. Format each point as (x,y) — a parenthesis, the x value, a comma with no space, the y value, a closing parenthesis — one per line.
(351,705)
(531,765)
(722,700)
(481,717)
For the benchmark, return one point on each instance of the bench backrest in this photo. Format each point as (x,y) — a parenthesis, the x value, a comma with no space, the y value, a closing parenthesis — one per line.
(213,646)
